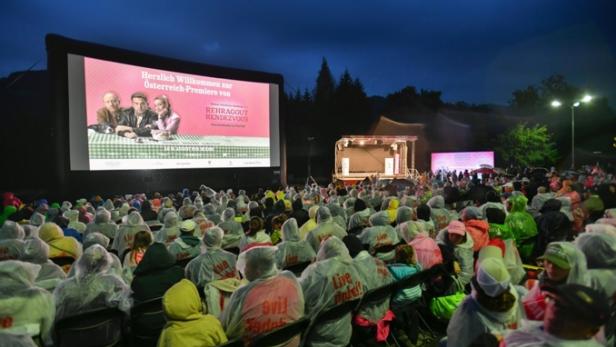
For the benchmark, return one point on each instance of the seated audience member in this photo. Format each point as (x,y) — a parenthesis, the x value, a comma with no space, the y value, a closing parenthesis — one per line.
(187,324)
(563,263)
(25,308)
(186,246)
(214,263)
(271,299)
(573,315)
(73,221)
(492,307)
(455,242)
(300,215)
(277,222)
(405,265)
(358,222)
(103,224)
(310,224)
(255,236)
(522,225)
(170,230)
(330,281)
(37,252)
(292,250)
(404,214)
(168,120)
(552,225)
(11,241)
(600,252)
(325,228)
(476,227)
(59,245)
(102,240)
(166,208)
(379,234)
(187,210)
(211,214)
(111,114)
(92,287)
(138,120)
(133,257)
(126,232)
(233,230)
(147,212)
(156,273)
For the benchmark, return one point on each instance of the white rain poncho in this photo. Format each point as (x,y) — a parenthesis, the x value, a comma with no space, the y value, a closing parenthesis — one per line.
(404,214)
(14,340)
(533,334)
(167,206)
(214,263)
(170,230)
(326,227)
(232,229)
(463,254)
(373,274)
(271,299)
(30,231)
(126,233)
(338,214)
(36,251)
(380,234)
(30,309)
(439,214)
(187,210)
(359,219)
(103,224)
(92,287)
(11,240)
(292,250)
(471,319)
(330,281)
(37,219)
(211,213)
(407,231)
(490,204)
(537,202)
(73,221)
(607,229)
(102,240)
(600,252)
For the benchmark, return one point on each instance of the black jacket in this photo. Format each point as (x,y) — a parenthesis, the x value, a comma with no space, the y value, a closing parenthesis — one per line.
(130,119)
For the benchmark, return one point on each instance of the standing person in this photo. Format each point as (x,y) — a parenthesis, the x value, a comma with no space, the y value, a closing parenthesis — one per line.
(168,120)
(111,114)
(138,120)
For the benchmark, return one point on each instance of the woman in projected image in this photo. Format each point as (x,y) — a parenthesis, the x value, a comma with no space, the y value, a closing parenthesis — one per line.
(168,121)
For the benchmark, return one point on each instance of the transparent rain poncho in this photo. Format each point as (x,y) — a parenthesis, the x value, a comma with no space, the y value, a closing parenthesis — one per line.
(380,234)
(600,252)
(338,214)
(36,251)
(92,287)
(522,225)
(103,224)
(271,299)
(126,232)
(11,240)
(232,229)
(439,214)
(214,264)
(404,214)
(73,221)
(330,281)
(373,274)
(170,230)
(102,240)
(325,228)
(292,250)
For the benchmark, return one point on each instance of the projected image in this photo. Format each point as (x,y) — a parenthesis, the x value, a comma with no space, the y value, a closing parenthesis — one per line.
(144,118)
(461,161)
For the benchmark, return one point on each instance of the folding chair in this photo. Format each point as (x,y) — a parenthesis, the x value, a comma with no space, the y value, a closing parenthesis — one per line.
(147,320)
(376,296)
(328,316)
(298,268)
(282,334)
(96,328)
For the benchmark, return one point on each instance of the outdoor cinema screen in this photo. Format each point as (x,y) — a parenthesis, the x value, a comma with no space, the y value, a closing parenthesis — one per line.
(461,161)
(129,117)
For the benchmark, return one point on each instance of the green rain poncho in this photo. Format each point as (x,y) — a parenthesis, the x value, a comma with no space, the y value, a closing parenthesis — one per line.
(522,225)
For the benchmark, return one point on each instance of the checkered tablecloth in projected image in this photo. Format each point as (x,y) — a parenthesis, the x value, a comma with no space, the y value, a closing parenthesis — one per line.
(112,146)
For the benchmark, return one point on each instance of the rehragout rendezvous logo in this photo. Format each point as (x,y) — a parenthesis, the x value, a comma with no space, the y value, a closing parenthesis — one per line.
(226,114)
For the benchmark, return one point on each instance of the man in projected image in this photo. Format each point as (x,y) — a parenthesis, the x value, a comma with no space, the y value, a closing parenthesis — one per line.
(111,114)
(138,120)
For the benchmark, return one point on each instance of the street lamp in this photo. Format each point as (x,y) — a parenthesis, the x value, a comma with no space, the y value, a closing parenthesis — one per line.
(586,99)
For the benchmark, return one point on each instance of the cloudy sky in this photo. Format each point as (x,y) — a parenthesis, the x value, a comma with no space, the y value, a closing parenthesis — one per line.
(476,51)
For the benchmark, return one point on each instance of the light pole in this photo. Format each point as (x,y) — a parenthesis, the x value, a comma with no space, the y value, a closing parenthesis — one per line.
(586,99)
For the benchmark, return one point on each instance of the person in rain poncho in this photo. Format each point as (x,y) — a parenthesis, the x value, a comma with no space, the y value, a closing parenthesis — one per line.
(403,215)
(156,273)
(358,222)
(292,250)
(493,201)
(310,224)
(187,210)
(166,208)
(126,233)
(552,226)
(522,225)
(211,214)
(187,324)
(37,252)
(187,245)
(539,200)
(392,209)
(380,234)
(271,299)
(572,317)
(330,281)
(170,230)
(214,264)
(338,214)
(476,227)
(25,308)
(92,287)
(233,230)
(439,214)
(563,263)
(102,240)
(326,227)
(373,274)
(73,221)
(11,241)
(103,224)
(455,240)
(492,307)
(59,245)
(256,235)
(498,228)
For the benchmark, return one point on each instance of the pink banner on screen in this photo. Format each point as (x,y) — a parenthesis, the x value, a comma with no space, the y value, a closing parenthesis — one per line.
(207,106)
(461,160)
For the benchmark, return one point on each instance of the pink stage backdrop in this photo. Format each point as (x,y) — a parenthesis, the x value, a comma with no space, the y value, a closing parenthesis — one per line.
(207,106)
(461,160)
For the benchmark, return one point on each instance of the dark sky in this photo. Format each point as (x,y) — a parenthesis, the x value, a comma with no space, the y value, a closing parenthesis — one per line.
(475,51)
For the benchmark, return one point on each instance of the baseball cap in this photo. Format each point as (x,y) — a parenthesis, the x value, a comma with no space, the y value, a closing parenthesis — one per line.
(556,254)
(456,227)
(188,225)
(580,301)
